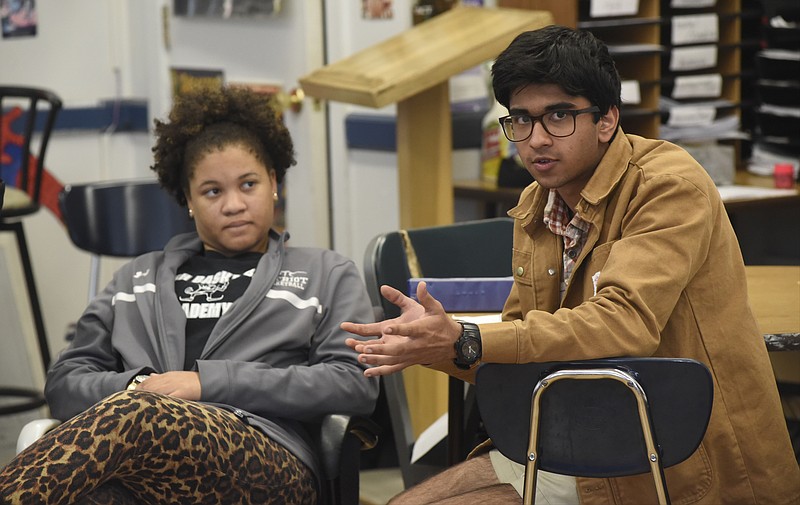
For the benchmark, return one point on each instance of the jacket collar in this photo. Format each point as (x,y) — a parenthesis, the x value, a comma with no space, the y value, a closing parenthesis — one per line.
(190,242)
(606,176)
(609,172)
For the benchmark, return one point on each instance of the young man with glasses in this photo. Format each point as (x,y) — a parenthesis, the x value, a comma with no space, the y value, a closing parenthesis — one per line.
(622,247)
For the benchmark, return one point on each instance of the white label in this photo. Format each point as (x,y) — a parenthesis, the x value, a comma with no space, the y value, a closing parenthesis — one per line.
(693,57)
(630,92)
(692,4)
(697,86)
(690,115)
(695,28)
(605,8)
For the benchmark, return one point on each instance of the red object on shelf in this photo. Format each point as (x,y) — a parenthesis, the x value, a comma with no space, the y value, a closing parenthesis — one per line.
(784,175)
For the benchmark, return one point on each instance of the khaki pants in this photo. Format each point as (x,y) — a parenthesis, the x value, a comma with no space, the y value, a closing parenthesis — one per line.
(551,488)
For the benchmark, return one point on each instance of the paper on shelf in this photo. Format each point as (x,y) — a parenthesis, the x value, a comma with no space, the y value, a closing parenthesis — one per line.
(430,438)
(695,28)
(739,192)
(436,433)
(697,86)
(603,8)
(693,57)
(631,93)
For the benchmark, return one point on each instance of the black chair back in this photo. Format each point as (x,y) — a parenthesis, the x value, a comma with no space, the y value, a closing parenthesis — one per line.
(591,428)
(122,218)
(467,249)
(38,110)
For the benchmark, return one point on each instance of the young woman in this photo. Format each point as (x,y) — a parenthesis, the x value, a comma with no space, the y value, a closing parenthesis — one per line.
(192,373)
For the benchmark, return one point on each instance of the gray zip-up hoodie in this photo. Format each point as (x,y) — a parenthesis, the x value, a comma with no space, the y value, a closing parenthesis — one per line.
(276,358)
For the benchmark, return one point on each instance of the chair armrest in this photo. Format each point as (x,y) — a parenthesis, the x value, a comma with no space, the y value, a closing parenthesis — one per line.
(32,431)
(335,432)
(340,440)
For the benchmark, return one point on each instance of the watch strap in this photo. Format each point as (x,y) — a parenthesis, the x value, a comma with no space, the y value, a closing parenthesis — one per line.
(469,331)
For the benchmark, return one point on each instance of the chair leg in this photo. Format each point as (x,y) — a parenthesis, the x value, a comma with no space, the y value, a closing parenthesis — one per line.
(532,463)
(33,295)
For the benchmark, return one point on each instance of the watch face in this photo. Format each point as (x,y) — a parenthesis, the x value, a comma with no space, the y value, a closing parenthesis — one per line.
(469,349)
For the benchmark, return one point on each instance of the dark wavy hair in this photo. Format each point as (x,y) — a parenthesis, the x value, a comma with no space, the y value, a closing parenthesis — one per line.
(208,120)
(575,60)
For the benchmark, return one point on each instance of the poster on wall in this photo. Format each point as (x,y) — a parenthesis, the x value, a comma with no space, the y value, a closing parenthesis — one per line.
(184,80)
(376,9)
(18,18)
(225,9)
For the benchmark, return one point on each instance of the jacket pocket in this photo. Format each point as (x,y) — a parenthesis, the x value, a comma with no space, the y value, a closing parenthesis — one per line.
(687,482)
(523,280)
(521,263)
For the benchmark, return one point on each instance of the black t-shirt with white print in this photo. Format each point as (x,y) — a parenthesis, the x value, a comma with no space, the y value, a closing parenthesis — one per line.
(207,285)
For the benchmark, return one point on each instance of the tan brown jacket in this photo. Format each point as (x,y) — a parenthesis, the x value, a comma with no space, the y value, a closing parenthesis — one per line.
(661,274)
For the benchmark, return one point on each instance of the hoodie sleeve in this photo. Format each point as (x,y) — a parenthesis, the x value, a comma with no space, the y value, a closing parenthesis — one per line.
(90,368)
(331,381)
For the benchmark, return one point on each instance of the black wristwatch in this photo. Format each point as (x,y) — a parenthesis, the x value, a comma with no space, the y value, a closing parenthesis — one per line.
(468,346)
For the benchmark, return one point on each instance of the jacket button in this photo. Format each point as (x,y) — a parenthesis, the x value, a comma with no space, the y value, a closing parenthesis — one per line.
(551,271)
(520,271)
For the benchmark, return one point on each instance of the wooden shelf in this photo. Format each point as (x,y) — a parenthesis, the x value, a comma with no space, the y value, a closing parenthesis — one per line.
(421,57)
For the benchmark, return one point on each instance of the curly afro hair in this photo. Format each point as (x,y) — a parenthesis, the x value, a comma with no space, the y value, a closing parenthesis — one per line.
(208,120)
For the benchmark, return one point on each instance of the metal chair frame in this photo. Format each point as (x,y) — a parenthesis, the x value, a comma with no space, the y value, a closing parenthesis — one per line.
(643,408)
(536,415)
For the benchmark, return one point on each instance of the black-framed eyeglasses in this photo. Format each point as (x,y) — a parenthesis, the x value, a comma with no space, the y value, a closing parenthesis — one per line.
(557,123)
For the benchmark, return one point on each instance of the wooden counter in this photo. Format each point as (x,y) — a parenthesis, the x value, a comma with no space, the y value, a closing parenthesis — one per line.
(775,298)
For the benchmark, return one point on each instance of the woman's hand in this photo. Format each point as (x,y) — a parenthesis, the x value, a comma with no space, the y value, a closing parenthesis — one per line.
(179,384)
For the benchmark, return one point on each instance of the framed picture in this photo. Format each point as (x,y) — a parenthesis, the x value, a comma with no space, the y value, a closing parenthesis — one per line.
(226,9)
(18,18)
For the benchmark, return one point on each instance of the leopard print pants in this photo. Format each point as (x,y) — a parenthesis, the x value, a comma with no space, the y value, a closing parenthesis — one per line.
(137,447)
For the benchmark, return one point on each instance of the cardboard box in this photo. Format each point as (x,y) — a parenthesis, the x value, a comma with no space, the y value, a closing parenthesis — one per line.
(466,294)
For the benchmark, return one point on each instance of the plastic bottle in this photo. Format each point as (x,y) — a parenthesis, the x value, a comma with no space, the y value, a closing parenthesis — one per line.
(494,144)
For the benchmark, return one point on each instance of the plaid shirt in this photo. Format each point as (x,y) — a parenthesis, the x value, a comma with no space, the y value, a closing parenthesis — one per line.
(556,218)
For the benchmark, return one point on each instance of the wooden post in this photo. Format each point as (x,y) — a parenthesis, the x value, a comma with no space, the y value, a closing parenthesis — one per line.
(424,158)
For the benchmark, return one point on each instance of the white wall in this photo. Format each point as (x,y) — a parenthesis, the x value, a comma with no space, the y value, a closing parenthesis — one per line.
(364,183)
(83,52)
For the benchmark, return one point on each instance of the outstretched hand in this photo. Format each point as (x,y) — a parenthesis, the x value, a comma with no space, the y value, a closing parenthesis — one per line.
(422,334)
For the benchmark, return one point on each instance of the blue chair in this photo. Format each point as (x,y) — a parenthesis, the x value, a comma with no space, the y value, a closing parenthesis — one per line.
(120,219)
